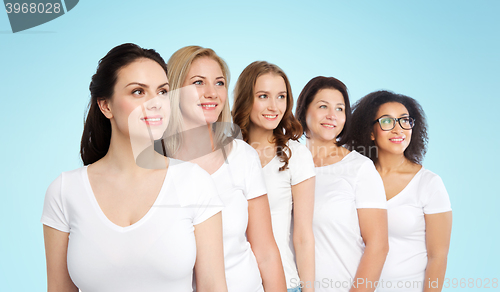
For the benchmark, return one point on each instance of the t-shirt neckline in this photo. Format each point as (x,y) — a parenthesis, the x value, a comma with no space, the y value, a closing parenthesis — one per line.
(407,185)
(106,220)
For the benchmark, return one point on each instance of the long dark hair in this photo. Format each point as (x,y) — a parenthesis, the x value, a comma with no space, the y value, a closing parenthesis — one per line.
(97,128)
(288,128)
(363,116)
(307,96)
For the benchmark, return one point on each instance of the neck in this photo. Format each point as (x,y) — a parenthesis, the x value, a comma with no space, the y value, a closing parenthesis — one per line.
(388,162)
(321,149)
(122,155)
(196,142)
(260,138)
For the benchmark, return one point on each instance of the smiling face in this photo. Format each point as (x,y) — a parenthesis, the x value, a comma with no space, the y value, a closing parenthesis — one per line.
(394,141)
(269,104)
(139,106)
(325,116)
(204,92)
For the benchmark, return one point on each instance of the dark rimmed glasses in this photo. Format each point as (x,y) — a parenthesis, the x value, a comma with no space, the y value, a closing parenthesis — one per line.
(387,124)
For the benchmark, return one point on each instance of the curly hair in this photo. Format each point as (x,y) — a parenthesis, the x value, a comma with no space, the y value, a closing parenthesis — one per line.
(364,111)
(288,128)
(307,96)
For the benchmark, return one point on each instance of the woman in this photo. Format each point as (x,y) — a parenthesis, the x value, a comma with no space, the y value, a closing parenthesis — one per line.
(199,79)
(263,105)
(350,220)
(114,226)
(392,130)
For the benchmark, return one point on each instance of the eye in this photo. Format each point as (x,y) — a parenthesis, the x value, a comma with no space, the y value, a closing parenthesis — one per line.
(220,83)
(262,96)
(386,121)
(137,91)
(163,91)
(198,82)
(340,109)
(323,106)
(281,96)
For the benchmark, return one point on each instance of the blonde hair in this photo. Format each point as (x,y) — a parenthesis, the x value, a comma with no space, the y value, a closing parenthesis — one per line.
(178,67)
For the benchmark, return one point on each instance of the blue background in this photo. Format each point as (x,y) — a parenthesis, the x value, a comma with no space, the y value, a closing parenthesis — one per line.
(445,54)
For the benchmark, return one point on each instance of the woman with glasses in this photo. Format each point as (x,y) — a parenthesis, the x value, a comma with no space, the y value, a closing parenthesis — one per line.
(391,130)
(350,220)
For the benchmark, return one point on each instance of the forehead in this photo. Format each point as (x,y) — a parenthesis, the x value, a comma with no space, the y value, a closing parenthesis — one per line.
(270,81)
(205,66)
(143,71)
(394,109)
(329,95)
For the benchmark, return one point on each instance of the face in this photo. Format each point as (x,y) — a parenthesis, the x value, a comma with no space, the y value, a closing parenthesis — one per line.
(269,103)
(325,116)
(394,141)
(204,92)
(139,106)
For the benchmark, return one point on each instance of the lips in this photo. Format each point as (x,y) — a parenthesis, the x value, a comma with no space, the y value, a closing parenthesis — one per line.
(270,117)
(153,120)
(397,140)
(329,126)
(208,106)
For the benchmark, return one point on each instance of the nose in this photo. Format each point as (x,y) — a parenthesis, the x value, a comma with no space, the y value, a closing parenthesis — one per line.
(331,115)
(397,128)
(154,103)
(210,91)
(271,104)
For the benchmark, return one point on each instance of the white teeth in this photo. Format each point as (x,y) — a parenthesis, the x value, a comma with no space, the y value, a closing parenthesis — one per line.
(329,126)
(270,117)
(397,140)
(208,105)
(153,120)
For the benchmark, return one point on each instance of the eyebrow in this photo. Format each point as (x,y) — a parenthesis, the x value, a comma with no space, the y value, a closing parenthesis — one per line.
(144,85)
(402,115)
(263,91)
(340,103)
(203,77)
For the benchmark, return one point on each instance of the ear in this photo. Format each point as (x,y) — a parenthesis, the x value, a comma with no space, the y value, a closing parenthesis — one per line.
(105,108)
(372,136)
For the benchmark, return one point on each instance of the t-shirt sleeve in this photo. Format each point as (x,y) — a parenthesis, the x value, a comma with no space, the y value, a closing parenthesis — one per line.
(255,185)
(301,165)
(207,201)
(369,191)
(437,200)
(53,208)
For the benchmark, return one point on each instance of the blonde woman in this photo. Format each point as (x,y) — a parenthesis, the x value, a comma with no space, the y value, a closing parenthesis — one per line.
(263,110)
(200,111)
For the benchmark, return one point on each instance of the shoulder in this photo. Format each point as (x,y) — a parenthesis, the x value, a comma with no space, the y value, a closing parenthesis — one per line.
(299,150)
(358,161)
(69,177)
(430,181)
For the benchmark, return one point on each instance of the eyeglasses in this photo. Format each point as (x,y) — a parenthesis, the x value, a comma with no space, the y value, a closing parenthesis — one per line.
(387,124)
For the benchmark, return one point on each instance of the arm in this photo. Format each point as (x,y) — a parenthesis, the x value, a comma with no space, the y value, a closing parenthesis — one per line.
(209,266)
(56,248)
(303,236)
(261,238)
(373,226)
(437,239)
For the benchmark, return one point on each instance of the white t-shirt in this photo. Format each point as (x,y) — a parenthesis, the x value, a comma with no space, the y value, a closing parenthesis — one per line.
(407,259)
(238,180)
(157,253)
(341,189)
(279,191)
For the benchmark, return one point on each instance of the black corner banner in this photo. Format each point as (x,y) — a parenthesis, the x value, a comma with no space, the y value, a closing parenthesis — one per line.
(25,14)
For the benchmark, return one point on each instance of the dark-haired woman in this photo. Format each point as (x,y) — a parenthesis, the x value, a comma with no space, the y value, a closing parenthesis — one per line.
(392,130)
(263,110)
(350,218)
(114,226)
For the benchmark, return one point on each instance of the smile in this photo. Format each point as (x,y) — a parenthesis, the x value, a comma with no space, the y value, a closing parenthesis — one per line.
(330,126)
(397,140)
(156,121)
(270,117)
(208,106)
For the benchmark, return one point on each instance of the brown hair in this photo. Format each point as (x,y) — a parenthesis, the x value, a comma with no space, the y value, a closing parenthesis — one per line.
(288,128)
(307,96)
(97,128)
